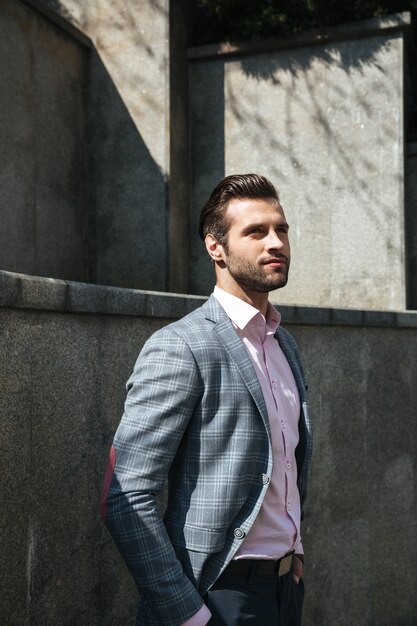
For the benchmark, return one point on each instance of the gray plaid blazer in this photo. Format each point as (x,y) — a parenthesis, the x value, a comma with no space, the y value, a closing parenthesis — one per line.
(194,414)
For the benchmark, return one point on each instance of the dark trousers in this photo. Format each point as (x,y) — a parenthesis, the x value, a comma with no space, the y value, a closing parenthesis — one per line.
(241,600)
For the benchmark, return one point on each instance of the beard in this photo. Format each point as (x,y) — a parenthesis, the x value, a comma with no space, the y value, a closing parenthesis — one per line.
(254,276)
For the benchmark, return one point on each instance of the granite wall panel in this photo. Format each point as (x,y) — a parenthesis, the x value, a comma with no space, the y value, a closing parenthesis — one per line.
(324,121)
(62,381)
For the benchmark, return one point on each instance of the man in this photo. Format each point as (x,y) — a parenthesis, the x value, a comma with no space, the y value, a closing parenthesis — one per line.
(217,404)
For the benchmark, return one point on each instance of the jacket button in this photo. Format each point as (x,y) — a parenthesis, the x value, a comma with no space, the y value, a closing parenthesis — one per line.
(239,533)
(264,479)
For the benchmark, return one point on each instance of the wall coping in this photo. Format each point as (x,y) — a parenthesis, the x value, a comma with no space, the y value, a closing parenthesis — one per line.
(58,20)
(21,291)
(399,22)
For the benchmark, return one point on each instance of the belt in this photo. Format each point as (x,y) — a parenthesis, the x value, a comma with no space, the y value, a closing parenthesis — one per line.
(264,567)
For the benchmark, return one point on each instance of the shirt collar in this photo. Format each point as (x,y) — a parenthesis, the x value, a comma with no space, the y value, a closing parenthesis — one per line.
(241,313)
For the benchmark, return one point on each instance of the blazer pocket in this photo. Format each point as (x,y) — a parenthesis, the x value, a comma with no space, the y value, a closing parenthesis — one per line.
(196,538)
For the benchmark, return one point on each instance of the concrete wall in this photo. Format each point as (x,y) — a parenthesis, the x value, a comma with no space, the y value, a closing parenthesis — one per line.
(66,350)
(94,154)
(323,118)
(85,140)
(128,138)
(43,199)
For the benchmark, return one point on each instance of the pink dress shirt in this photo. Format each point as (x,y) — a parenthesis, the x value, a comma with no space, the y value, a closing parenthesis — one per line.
(276,529)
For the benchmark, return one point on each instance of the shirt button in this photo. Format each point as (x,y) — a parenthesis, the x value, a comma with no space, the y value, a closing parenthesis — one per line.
(259,320)
(239,533)
(264,479)
(289,507)
(283,424)
(288,464)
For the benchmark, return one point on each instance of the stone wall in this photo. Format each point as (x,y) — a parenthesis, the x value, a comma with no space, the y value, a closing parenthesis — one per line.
(43,203)
(94,156)
(128,138)
(85,141)
(66,350)
(322,116)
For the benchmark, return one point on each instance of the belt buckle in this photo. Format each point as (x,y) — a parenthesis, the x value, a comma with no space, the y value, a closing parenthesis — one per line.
(285,565)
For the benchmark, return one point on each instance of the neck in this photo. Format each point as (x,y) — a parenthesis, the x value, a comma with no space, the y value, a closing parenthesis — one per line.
(254,298)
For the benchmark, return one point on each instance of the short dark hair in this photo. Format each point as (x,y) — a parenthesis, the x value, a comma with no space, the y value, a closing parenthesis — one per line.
(213,218)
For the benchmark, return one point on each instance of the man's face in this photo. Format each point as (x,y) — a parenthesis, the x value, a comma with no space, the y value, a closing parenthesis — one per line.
(257,253)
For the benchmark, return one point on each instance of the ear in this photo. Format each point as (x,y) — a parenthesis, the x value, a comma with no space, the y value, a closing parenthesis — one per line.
(214,248)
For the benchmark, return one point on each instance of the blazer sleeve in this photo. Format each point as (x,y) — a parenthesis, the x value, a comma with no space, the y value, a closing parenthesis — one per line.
(162,393)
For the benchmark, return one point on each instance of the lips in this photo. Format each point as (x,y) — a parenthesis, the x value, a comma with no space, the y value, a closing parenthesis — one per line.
(276,261)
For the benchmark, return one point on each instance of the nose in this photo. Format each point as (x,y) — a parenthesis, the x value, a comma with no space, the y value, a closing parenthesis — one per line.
(274,241)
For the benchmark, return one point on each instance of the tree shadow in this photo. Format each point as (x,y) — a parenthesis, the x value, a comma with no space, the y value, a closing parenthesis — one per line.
(325,122)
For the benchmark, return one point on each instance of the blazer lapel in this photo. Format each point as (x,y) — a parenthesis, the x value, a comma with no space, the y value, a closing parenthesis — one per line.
(234,347)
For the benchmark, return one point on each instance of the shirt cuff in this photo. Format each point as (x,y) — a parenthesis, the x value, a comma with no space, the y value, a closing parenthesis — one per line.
(201,618)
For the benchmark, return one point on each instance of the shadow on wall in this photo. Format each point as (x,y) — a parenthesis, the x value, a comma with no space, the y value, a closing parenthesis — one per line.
(207,163)
(127,189)
(124,30)
(127,193)
(329,55)
(325,123)
(325,85)
(82,196)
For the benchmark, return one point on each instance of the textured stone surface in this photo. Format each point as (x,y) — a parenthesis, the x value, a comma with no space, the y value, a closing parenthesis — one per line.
(62,378)
(33,292)
(62,388)
(325,122)
(42,160)
(84,142)
(128,139)
(128,222)
(360,530)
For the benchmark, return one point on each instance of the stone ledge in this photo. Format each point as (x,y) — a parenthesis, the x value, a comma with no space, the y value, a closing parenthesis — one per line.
(59,21)
(49,294)
(354,30)
(21,291)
